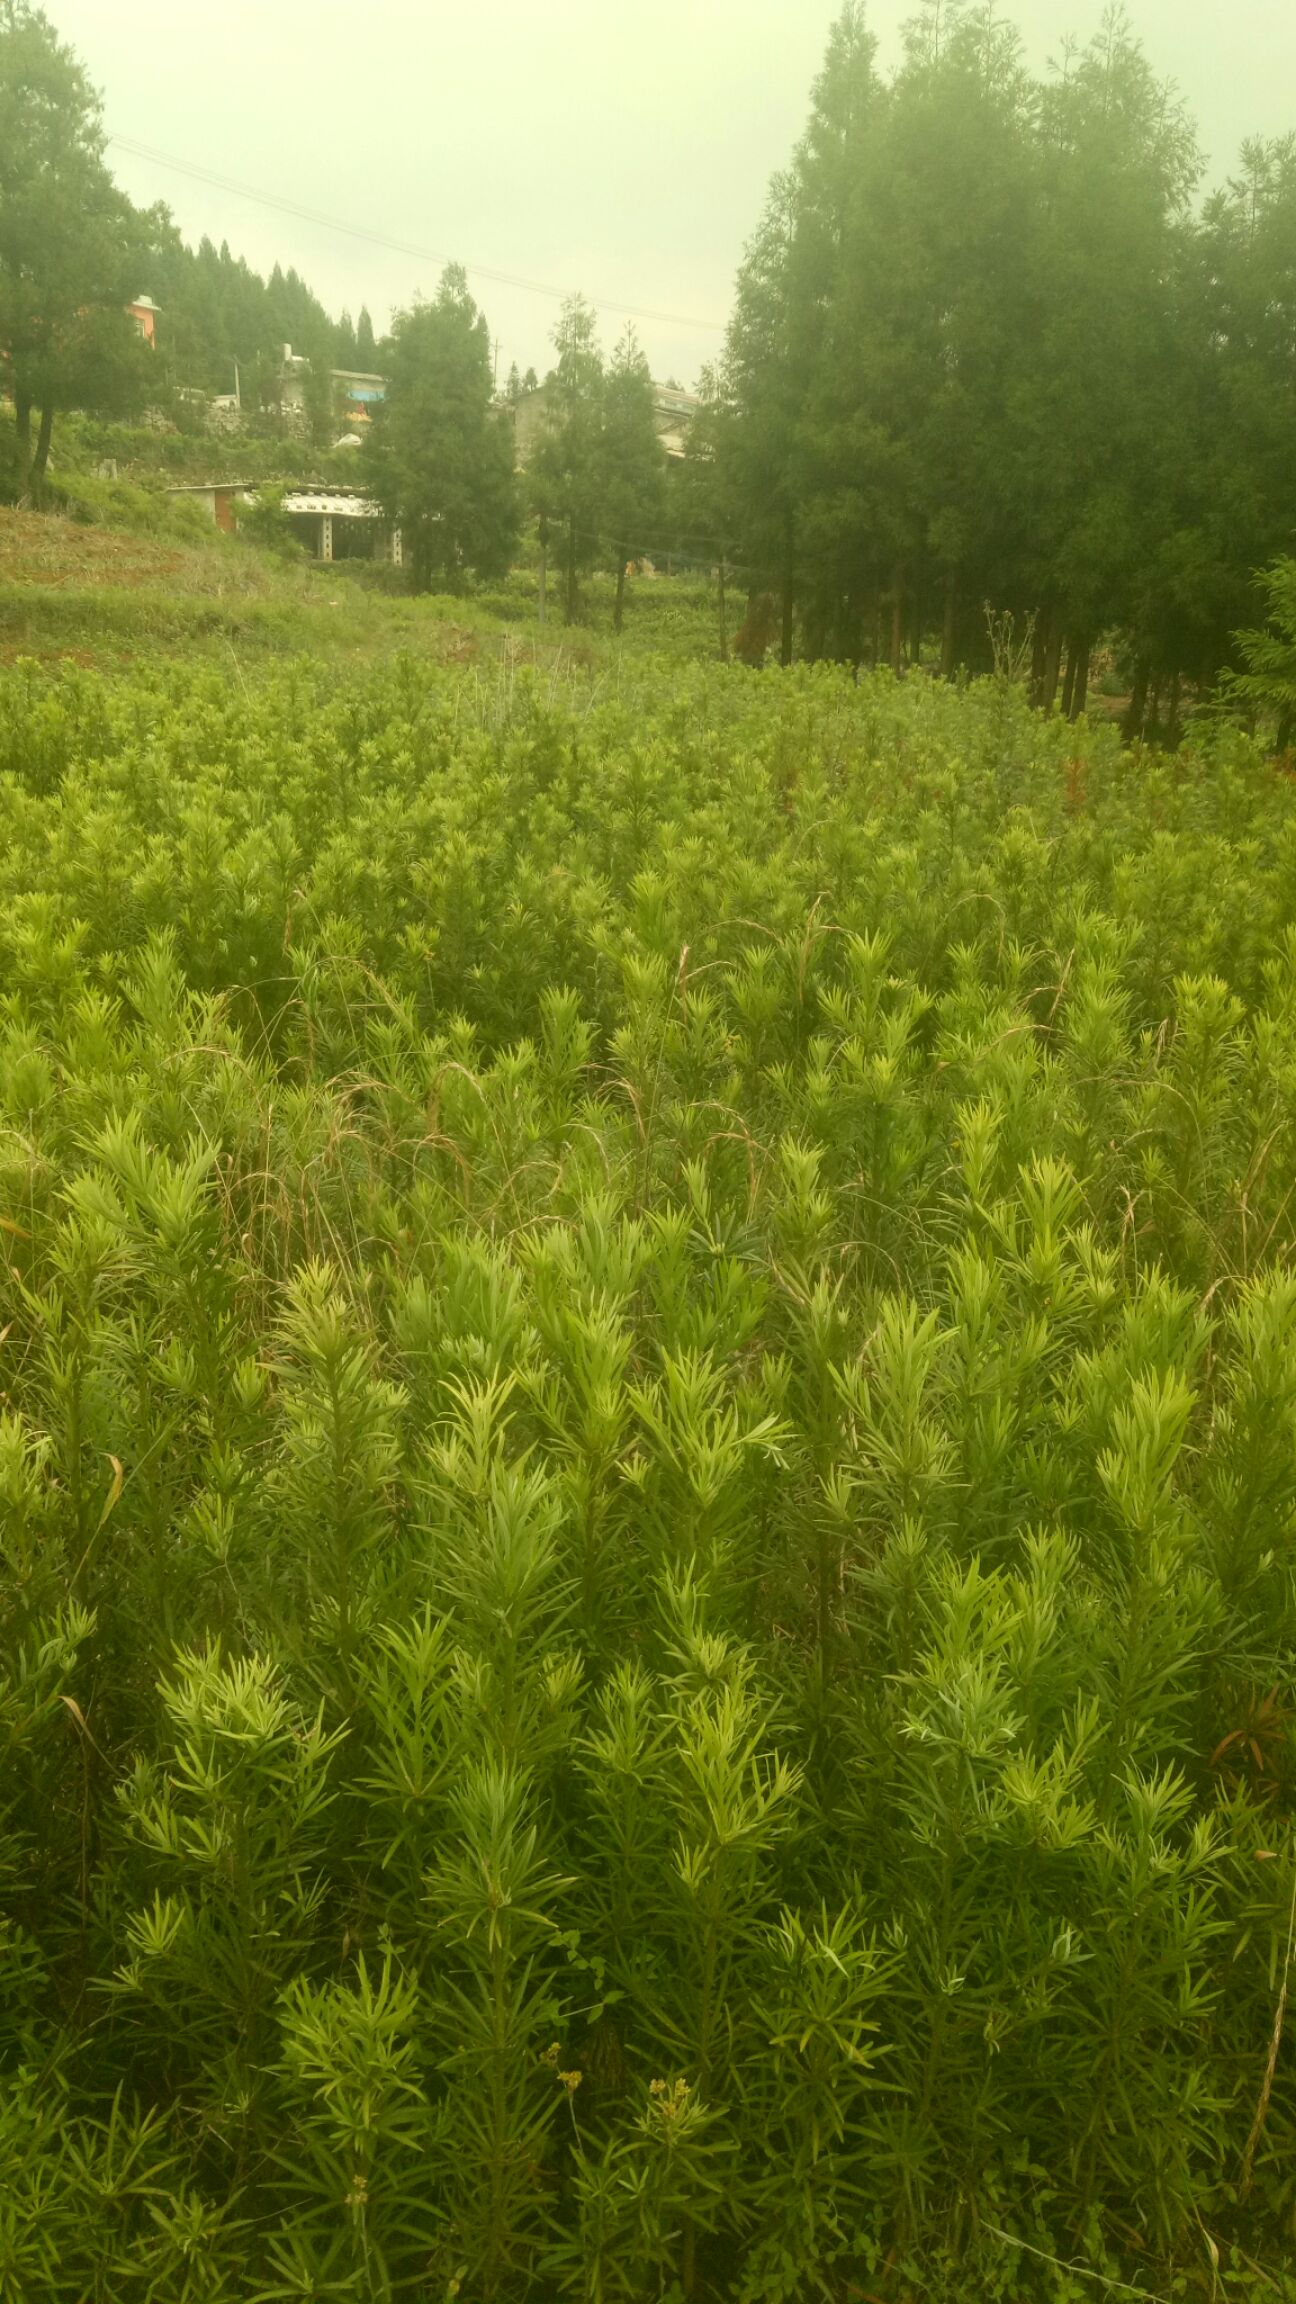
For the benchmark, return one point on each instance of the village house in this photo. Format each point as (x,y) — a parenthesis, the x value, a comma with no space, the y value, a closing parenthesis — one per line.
(144,312)
(356,392)
(673,412)
(217,499)
(342,524)
(334,523)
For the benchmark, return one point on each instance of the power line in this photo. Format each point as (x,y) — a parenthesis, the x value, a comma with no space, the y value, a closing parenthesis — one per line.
(306,215)
(696,548)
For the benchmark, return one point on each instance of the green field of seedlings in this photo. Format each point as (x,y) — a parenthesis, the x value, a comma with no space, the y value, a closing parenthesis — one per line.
(647,1480)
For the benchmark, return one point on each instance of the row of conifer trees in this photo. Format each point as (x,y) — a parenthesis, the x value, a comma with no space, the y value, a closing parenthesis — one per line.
(994,341)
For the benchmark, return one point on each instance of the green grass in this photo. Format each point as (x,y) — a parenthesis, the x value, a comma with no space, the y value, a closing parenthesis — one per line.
(109,590)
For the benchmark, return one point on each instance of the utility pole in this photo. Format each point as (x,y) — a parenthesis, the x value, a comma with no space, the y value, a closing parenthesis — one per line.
(238,397)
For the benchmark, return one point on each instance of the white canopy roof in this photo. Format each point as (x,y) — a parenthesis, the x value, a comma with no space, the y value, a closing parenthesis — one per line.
(335,504)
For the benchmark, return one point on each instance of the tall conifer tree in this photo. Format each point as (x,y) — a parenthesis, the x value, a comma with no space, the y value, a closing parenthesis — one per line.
(441,457)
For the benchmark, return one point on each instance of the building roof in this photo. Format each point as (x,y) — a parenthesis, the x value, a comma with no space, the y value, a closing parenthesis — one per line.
(674,397)
(664,395)
(332,503)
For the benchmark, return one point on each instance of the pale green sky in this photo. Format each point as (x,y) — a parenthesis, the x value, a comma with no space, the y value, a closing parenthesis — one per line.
(617,146)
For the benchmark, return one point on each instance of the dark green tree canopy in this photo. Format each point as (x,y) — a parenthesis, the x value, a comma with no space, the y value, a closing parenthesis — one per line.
(70,243)
(597,477)
(987,346)
(566,473)
(217,311)
(634,462)
(441,455)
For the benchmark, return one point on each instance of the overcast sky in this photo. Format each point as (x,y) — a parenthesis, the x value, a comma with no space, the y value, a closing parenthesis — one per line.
(617,146)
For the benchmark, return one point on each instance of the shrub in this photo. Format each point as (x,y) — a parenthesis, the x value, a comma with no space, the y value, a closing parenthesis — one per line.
(647,1474)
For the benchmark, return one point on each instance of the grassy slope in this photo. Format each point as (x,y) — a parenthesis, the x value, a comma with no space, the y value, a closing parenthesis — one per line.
(105,596)
(101,595)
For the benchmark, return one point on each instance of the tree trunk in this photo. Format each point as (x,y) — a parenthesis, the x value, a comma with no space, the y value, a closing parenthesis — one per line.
(570,611)
(1052,662)
(1152,717)
(40,461)
(897,624)
(22,426)
(915,633)
(1286,726)
(1132,727)
(785,647)
(1079,678)
(949,632)
(814,634)
(1174,731)
(618,613)
(1068,685)
(544,570)
(724,622)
